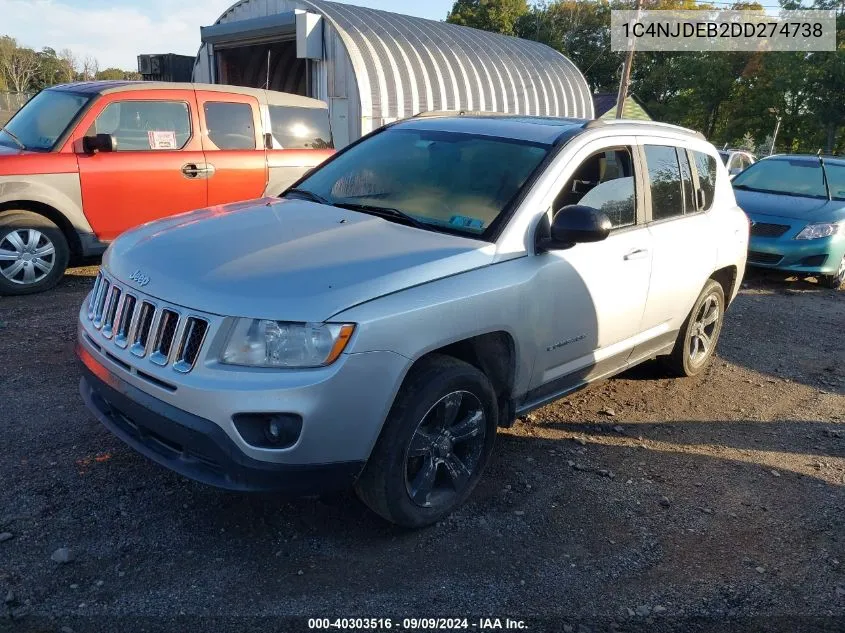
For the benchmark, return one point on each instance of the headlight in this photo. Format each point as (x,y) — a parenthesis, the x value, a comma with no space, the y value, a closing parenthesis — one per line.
(815,231)
(262,343)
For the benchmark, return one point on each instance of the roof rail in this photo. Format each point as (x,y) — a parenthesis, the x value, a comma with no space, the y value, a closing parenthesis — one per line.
(439,113)
(637,122)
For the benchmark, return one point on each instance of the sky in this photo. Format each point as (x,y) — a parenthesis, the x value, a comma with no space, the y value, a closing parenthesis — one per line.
(115,32)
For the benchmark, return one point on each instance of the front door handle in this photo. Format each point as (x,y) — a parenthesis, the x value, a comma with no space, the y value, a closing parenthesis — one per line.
(637,253)
(198,170)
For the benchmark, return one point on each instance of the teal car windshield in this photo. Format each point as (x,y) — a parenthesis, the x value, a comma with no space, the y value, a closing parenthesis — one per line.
(798,177)
(43,120)
(446,180)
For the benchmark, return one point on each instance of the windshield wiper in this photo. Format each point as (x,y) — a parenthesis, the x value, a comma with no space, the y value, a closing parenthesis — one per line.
(387,213)
(313,197)
(13,137)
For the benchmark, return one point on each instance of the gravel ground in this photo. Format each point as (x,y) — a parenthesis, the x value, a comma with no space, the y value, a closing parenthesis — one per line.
(641,503)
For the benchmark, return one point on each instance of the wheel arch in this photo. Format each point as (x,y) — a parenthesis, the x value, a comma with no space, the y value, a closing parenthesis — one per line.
(492,353)
(727,278)
(51,213)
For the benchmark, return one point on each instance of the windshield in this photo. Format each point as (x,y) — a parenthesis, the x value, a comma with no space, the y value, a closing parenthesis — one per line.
(43,120)
(725,156)
(460,182)
(793,178)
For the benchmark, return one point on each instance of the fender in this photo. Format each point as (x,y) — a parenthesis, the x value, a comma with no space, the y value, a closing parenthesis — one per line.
(61,192)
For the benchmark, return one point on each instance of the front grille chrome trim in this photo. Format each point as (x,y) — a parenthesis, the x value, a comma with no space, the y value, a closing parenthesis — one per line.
(99,303)
(111,310)
(163,333)
(188,350)
(124,319)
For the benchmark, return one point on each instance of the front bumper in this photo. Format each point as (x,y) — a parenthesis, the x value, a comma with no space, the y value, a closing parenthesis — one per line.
(193,446)
(813,257)
(342,406)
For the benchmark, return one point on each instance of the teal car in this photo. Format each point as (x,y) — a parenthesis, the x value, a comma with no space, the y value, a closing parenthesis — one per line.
(796,205)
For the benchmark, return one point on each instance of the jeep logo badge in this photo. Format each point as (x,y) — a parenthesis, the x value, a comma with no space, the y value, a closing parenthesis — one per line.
(139,278)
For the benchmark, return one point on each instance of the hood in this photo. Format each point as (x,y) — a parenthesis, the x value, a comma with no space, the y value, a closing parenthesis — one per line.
(288,260)
(793,207)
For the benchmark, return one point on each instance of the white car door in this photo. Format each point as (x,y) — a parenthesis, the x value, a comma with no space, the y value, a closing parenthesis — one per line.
(683,242)
(591,296)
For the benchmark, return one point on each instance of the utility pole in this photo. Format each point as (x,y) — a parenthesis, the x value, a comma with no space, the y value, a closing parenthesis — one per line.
(626,69)
(777,128)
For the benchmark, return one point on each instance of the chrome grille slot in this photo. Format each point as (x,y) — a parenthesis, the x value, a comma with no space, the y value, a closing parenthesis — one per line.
(190,344)
(100,302)
(124,320)
(141,335)
(165,334)
(110,311)
(92,300)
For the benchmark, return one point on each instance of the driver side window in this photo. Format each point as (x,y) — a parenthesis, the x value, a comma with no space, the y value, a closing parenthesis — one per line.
(605,181)
(145,125)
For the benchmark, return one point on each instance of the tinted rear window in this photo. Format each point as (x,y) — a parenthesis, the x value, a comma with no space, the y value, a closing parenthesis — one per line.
(300,128)
(705,165)
(665,178)
(230,125)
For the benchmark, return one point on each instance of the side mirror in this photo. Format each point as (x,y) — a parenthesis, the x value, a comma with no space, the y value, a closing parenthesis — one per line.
(99,143)
(576,224)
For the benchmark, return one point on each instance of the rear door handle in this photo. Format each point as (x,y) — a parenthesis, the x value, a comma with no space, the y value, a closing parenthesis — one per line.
(637,253)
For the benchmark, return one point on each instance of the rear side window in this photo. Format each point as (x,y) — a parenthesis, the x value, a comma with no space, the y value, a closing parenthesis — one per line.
(301,128)
(686,180)
(230,125)
(705,165)
(664,174)
(145,125)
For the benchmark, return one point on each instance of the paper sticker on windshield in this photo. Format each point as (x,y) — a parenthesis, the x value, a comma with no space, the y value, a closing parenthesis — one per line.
(162,139)
(465,222)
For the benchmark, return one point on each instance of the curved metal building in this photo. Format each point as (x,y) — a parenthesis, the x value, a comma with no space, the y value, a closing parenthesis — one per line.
(373,67)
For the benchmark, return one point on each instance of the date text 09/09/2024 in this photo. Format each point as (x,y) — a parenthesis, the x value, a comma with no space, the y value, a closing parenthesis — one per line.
(416,624)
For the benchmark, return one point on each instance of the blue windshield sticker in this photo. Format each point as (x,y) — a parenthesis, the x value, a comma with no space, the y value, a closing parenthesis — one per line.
(464,221)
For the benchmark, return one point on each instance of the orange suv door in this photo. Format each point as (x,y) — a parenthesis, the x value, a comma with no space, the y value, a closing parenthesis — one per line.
(234,146)
(156,169)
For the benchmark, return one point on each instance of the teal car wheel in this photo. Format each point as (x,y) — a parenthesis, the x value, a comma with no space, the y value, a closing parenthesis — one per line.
(835,280)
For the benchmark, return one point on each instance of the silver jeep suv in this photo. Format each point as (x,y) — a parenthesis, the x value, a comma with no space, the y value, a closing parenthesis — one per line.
(435,280)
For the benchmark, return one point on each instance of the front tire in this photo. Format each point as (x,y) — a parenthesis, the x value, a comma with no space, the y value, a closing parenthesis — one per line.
(435,443)
(834,281)
(697,339)
(33,253)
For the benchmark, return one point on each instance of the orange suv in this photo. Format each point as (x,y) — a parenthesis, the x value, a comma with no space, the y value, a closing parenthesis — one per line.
(81,163)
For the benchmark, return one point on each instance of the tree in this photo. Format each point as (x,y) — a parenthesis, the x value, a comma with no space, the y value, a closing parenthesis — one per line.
(581,31)
(497,16)
(89,68)
(17,65)
(52,70)
(69,63)
(111,74)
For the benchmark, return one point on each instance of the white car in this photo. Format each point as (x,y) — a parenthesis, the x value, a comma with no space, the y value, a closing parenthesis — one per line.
(736,160)
(377,323)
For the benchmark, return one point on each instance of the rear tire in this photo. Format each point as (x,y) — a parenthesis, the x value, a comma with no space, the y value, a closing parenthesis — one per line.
(435,443)
(699,334)
(33,253)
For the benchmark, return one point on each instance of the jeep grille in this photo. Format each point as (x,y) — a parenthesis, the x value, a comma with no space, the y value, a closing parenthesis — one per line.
(162,333)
